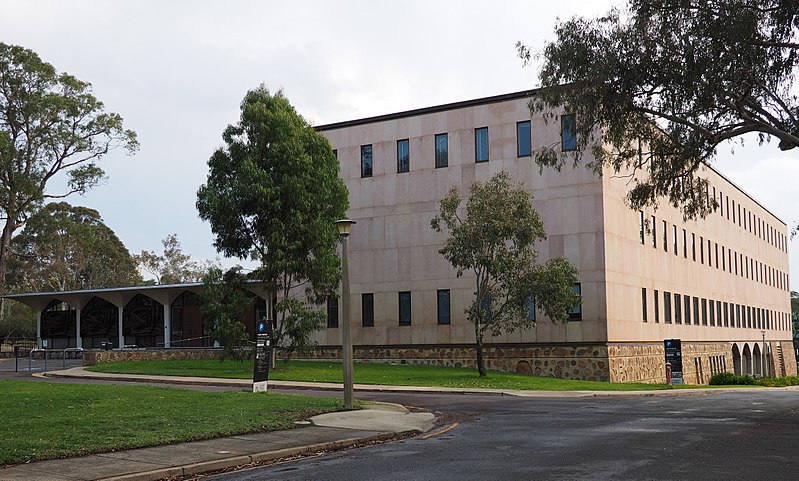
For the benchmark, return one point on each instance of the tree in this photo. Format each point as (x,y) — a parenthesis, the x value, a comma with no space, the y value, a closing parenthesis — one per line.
(495,240)
(224,304)
(273,193)
(50,126)
(173,267)
(666,82)
(65,247)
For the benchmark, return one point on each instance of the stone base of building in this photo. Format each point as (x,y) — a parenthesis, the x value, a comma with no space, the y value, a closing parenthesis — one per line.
(91,358)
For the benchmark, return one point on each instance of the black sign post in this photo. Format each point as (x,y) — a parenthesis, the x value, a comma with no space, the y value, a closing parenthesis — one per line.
(673,349)
(263,355)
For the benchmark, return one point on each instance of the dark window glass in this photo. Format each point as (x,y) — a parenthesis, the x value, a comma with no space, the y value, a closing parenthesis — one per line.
(712,307)
(366,160)
(643,303)
(665,236)
(576,312)
(443,306)
(524,143)
(674,241)
(704,312)
(718,313)
(568,132)
(442,150)
(405,308)
(403,156)
(335,153)
(696,311)
(332,312)
(667,307)
(481,144)
(677,309)
(687,310)
(367,310)
(657,306)
(529,308)
(641,226)
(485,308)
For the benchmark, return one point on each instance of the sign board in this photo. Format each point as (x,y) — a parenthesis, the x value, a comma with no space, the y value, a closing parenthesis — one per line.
(263,355)
(673,349)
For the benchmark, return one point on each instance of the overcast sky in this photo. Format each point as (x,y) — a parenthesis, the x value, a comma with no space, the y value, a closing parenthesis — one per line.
(177,71)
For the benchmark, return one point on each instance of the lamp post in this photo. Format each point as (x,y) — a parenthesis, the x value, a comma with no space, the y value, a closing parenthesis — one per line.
(344,227)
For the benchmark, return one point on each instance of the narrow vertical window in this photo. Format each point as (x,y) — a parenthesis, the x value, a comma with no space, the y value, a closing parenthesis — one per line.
(665,236)
(442,306)
(529,308)
(643,303)
(709,257)
(718,313)
(696,311)
(481,144)
(654,233)
(674,238)
(368,310)
(693,245)
(726,315)
(568,132)
(403,156)
(685,243)
(677,309)
(332,312)
(721,204)
(667,307)
(576,312)
(524,142)
(404,308)
(366,160)
(687,311)
(641,226)
(712,309)
(717,254)
(701,250)
(442,151)
(656,305)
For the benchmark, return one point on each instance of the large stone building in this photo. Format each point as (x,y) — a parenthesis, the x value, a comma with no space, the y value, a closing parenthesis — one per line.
(719,284)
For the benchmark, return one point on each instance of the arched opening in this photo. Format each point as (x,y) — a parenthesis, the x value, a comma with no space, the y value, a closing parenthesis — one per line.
(99,322)
(736,359)
(747,360)
(59,325)
(143,322)
(757,358)
(187,322)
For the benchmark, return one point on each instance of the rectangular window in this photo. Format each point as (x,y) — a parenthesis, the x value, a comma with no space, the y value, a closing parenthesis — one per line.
(738,315)
(685,243)
(403,156)
(524,142)
(404,308)
(665,236)
(442,151)
(721,204)
(332,312)
(717,254)
(727,200)
(641,226)
(643,303)
(712,308)
(674,238)
(481,144)
(529,308)
(726,315)
(704,312)
(677,309)
(368,310)
(576,312)
(485,307)
(718,313)
(656,305)
(568,132)
(442,306)
(654,233)
(709,257)
(687,306)
(733,212)
(667,307)
(696,311)
(366,160)
(693,246)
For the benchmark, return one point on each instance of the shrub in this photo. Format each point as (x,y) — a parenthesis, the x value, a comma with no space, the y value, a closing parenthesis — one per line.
(730,379)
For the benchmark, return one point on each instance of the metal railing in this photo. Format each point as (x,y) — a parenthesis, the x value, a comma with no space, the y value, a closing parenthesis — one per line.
(30,357)
(70,349)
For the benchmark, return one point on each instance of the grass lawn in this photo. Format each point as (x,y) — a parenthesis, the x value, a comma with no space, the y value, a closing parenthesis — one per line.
(45,420)
(368,373)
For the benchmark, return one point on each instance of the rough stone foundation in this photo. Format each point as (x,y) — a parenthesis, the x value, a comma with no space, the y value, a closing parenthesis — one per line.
(94,357)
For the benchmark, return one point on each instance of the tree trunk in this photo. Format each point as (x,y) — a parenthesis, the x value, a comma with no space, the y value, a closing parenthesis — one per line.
(481,369)
(5,251)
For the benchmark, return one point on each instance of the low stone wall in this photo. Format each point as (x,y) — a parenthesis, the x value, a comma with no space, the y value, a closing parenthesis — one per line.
(94,357)
(646,362)
(588,362)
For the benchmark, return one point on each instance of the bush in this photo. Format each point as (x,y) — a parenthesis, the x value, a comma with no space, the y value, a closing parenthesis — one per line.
(779,381)
(730,379)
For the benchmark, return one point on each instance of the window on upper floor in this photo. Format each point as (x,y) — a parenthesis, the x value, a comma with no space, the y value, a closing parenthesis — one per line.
(656,305)
(667,307)
(368,310)
(643,303)
(524,142)
(568,132)
(366,160)
(403,156)
(576,312)
(332,312)
(677,309)
(481,144)
(529,308)
(442,150)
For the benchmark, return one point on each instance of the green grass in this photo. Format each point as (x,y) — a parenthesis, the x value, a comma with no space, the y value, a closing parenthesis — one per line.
(368,373)
(45,420)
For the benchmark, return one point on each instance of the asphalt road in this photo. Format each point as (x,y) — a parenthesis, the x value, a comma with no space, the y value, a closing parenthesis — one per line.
(731,436)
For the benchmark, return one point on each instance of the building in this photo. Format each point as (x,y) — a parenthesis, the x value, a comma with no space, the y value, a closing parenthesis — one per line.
(720,284)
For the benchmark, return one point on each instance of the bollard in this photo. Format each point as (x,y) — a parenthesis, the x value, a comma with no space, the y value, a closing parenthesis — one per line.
(668,373)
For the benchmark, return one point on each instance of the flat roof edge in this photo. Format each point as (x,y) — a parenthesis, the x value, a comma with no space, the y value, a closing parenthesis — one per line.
(428,110)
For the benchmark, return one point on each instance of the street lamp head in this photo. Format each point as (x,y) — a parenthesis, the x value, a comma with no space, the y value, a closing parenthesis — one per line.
(344,227)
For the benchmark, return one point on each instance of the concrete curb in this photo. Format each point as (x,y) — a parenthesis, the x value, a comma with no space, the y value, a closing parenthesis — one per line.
(262,457)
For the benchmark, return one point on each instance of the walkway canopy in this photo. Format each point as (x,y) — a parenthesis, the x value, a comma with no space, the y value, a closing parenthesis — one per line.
(141,316)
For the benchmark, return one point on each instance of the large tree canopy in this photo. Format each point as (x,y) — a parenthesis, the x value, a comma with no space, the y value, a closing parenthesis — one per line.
(273,192)
(666,82)
(494,238)
(171,267)
(50,126)
(64,247)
